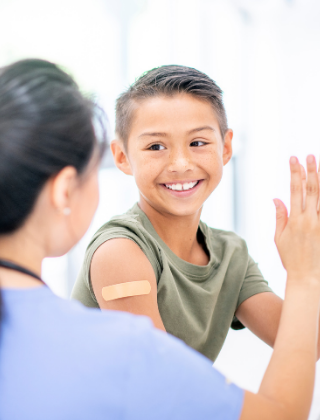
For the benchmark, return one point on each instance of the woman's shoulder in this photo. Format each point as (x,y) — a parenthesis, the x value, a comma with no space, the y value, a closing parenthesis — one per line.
(110,331)
(65,316)
(111,361)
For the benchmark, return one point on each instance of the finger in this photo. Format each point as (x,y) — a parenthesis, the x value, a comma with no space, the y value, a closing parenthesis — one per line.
(296,198)
(318,206)
(304,182)
(281,218)
(312,186)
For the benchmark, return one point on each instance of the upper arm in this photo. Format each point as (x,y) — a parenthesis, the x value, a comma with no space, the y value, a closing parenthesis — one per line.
(261,314)
(119,261)
(259,309)
(253,282)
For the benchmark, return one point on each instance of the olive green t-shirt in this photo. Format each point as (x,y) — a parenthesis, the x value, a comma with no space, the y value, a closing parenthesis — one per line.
(196,303)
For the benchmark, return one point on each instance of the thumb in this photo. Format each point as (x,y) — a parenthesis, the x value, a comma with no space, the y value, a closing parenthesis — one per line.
(281,218)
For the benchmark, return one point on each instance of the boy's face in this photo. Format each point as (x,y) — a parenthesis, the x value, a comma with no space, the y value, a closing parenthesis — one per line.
(175,152)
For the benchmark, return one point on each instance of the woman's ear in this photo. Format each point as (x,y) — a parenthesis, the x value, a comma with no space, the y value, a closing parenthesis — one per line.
(227,146)
(62,187)
(120,156)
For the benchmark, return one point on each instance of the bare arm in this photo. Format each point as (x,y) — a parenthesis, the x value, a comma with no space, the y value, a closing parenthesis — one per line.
(286,389)
(119,261)
(261,313)
(278,390)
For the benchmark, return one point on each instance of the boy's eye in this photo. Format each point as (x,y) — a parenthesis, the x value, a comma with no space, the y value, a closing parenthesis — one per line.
(156,147)
(197,143)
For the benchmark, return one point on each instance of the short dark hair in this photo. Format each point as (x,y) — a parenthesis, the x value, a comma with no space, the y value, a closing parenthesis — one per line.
(168,81)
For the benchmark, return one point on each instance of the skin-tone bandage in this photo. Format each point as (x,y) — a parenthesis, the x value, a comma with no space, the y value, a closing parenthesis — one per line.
(122,290)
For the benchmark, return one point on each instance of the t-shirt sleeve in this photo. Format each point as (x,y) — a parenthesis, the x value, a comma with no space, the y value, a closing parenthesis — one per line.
(171,381)
(253,284)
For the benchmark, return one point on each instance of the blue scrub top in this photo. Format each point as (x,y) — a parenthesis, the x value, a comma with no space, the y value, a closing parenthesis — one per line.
(60,360)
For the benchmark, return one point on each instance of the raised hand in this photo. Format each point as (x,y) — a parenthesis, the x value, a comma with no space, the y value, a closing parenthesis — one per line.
(297,237)
(287,386)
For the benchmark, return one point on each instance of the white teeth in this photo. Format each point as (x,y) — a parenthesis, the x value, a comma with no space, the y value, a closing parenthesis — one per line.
(179,187)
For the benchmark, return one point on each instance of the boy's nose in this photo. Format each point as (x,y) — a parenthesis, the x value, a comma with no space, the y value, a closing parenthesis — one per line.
(180,162)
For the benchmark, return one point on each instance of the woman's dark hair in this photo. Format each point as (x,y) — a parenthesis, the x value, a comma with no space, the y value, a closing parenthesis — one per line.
(46,124)
(168,81)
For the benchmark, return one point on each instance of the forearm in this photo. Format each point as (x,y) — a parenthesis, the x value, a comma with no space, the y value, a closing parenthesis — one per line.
(289,377)
(318,349)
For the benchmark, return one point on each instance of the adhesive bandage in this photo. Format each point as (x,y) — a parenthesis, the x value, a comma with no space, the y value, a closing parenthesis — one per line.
(133,288)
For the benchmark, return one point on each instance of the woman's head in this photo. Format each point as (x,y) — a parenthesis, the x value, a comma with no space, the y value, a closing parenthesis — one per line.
(48,152)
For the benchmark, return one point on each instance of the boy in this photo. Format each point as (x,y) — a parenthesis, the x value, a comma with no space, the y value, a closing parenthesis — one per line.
(173,137)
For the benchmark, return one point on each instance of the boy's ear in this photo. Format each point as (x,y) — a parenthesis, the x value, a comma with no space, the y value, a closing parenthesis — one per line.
(120,157)
(227,146)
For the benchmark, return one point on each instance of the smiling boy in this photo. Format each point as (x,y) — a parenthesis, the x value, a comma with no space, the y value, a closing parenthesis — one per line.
(173,137)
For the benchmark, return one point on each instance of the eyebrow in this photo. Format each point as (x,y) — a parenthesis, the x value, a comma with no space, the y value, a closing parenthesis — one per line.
(153,134)
(205,127)
(194,130)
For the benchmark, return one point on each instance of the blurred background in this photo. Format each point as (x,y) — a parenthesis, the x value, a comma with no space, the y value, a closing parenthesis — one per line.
(264,54)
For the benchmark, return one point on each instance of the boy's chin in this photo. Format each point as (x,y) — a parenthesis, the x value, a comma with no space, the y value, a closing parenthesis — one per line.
(182,211)
(171,207)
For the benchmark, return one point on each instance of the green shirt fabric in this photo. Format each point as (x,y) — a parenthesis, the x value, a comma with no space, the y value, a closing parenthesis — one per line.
(196,303)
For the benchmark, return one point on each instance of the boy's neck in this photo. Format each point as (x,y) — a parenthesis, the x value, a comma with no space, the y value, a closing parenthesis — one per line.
(178,232)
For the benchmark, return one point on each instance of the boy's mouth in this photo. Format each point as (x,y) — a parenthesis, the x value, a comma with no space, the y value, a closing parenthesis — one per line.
(185,186)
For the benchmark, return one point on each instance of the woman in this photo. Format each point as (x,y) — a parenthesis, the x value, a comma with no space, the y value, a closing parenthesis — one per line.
(59,360)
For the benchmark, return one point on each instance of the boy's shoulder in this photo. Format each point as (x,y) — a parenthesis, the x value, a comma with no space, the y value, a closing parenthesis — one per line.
(133,225)
(226,235)
(131,220)
(127,225)
(219,238)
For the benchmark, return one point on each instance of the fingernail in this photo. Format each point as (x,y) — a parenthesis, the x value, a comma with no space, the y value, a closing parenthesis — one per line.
(310,159)
(293,160)
(276,202)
